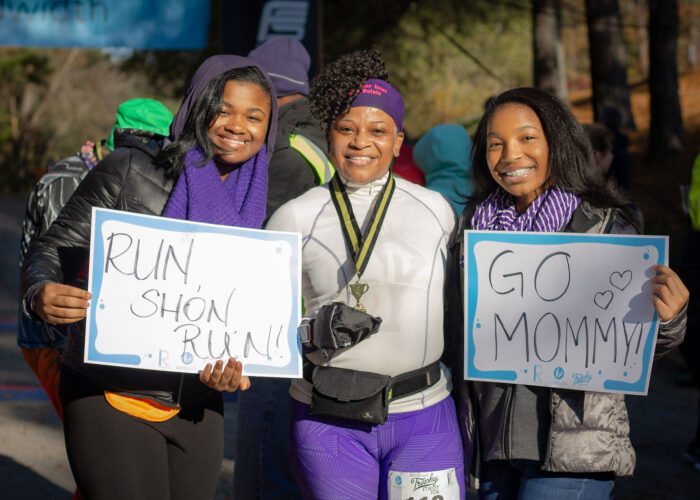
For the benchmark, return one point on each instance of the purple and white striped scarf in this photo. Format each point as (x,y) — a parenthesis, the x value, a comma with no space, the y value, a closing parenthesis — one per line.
(548,213)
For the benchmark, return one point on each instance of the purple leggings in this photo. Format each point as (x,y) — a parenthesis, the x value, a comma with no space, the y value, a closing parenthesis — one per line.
(337,458)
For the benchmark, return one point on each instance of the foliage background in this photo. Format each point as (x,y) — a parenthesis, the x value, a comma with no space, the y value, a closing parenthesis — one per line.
(446,56)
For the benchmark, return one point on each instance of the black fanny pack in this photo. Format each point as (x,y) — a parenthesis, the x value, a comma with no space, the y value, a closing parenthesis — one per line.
(363,396)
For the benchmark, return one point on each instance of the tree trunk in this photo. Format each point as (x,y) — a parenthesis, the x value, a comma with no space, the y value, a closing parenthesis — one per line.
(642,38)
(666,132)
(548,50)
(607,54)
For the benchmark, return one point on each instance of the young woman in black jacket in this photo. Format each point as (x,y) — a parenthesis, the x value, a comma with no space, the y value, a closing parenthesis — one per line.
(134,433)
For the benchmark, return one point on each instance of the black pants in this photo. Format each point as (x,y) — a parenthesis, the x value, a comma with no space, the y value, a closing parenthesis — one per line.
(116,456)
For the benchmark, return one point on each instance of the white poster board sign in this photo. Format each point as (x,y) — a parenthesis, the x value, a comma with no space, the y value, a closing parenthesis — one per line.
(174,295)
(560,309)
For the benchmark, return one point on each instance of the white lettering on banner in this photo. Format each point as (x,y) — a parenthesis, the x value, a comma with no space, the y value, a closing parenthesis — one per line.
(283,18)
(58,11)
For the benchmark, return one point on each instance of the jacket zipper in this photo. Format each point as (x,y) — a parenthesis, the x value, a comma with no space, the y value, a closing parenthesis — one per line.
(548,453)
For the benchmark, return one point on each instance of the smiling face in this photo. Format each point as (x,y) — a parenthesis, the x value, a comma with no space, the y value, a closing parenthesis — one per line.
(362,144)
(238,131)
(517,153)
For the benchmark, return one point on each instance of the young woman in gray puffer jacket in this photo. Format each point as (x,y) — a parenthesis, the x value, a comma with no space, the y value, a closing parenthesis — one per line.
(533,170)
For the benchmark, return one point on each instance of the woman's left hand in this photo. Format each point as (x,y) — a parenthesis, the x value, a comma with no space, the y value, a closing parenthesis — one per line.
(227,378)
(669,292)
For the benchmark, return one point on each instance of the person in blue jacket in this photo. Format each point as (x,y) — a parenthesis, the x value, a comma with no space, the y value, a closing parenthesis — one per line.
(443,153)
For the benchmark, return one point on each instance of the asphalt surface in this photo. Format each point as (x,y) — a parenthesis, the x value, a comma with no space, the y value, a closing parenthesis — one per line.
(33,463)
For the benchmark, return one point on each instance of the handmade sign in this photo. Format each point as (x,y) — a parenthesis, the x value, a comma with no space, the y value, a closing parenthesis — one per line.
(561,310)
(175,295)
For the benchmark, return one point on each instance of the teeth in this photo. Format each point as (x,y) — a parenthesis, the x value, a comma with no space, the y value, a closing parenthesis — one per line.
(234,141)
(360,158)
(519,172)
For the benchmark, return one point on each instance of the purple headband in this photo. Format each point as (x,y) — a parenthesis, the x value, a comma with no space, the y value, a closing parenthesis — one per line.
(381,95)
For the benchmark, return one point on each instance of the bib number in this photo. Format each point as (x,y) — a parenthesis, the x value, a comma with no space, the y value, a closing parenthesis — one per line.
(435,485)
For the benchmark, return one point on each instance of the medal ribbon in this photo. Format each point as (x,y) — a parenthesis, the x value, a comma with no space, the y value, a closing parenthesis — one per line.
(360,246)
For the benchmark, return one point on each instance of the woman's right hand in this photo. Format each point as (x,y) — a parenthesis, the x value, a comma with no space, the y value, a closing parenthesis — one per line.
(228,378)
(60,304)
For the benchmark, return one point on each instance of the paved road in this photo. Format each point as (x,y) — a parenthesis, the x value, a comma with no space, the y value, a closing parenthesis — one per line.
(33,463)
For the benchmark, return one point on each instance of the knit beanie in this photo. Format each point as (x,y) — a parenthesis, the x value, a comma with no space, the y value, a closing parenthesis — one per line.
(287,62)
(142,114)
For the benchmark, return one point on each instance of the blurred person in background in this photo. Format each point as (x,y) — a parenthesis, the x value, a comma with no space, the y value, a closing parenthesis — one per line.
(620,168)
(690,272)
(444,154)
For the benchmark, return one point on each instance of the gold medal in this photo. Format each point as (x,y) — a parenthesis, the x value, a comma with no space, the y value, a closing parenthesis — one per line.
(357,290)
(359,245)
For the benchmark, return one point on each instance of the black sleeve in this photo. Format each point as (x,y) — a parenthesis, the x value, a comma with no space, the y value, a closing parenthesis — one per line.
(289,176)
(57,255)
(454,315)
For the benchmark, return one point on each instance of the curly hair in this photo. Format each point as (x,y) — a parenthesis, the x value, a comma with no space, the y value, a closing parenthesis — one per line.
(334,88)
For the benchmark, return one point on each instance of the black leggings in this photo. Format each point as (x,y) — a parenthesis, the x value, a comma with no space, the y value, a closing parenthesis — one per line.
(116,456)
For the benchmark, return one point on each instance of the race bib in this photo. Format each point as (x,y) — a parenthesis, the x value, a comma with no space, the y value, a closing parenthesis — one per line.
(436,485)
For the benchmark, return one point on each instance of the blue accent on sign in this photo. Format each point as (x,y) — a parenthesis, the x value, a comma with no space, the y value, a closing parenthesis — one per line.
(156,24)
(471,287)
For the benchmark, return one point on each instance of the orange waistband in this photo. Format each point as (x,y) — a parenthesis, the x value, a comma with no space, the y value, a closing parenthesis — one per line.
(143,408)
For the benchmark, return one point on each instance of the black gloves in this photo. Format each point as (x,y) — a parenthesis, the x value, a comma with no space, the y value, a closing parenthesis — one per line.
(339,325)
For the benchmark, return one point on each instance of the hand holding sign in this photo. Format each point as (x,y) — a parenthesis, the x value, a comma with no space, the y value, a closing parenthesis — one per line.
(670,294)
(225,379)
(59,304)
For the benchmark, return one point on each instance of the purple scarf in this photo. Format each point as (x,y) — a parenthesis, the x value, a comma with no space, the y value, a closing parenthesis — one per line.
(200,195)
(549,212)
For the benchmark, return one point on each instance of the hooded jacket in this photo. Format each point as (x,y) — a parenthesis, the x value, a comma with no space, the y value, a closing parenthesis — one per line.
(132,180)
(444,154)
(587,432)
(289,173)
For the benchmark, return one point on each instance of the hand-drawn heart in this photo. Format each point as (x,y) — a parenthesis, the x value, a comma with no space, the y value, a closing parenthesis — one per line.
(603,299)
(621,280)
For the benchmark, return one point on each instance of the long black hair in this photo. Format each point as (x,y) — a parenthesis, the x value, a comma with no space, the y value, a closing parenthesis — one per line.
(572,165)
(333,89)
(204,111)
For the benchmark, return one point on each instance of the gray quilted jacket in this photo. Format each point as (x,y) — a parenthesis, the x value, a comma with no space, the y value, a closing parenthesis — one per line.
(588,431)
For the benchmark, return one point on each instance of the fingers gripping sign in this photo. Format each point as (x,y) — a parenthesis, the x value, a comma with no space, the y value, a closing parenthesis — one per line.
(669,292)
(225,378)
(61,304)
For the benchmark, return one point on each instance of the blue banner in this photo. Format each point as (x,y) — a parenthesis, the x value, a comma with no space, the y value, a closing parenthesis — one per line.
(138,24)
